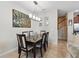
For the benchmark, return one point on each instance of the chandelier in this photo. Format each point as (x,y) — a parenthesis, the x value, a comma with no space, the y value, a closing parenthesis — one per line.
(35,16)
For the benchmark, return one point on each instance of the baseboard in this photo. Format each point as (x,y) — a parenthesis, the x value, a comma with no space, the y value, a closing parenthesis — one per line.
(9,51)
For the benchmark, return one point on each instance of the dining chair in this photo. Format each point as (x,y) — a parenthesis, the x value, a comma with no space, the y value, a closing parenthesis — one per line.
(47,36)
(22,45)
(42,31)
(41,44)
(44,41)
(26,33)
(31,33)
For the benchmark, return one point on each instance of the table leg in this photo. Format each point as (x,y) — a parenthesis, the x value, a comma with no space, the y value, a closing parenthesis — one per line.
(34,50)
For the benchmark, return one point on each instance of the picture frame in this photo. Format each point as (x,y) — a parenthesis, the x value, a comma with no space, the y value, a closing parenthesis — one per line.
(20,20)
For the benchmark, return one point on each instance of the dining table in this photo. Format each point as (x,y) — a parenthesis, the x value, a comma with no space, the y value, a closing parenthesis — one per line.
(33,40)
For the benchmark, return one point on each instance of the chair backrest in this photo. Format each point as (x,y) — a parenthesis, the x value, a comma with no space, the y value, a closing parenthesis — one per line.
(47,35)
(31,33)
(21,40)
(26,33)
(42,31)
(43,38)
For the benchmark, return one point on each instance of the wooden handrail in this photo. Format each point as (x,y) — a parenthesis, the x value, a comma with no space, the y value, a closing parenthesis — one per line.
(61,21)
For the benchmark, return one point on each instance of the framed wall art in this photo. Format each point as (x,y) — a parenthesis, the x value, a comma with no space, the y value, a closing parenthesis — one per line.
(20,19)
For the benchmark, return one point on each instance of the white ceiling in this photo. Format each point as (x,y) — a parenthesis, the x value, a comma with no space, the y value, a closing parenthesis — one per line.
(66,6)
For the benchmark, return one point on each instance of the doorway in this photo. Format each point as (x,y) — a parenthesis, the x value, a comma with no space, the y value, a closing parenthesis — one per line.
(62,26)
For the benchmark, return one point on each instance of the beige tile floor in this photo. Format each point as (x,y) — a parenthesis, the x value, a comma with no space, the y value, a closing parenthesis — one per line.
(53,51)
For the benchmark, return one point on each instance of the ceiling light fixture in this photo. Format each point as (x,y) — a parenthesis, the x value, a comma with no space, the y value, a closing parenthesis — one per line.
(35,16)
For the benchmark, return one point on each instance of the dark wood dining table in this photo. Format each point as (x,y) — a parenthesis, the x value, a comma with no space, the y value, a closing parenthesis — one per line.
(33,40)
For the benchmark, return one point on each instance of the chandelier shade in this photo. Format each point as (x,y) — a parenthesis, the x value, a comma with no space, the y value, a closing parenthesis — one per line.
(34,14)
(30,15)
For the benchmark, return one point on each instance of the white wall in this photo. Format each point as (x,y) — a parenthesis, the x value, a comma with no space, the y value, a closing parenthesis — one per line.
(52,26)
(69,31)
(8,39)
(70,27)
